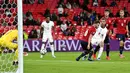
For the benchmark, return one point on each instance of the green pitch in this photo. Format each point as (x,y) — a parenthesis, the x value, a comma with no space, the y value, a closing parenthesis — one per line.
(65,63)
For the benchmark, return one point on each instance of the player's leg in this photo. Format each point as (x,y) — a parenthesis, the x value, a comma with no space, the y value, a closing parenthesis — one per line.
(121,38)
(121,49)
(90,54)
(52,49)
(44,39)
(42,49)
(95,46)
(52,46)
(85,50)
(107,47)
(95,51)
(13,46)
(43,46)
(15,62)
(107,51)
(100,50)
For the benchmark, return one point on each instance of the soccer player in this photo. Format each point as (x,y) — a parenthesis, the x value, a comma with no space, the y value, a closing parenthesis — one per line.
(6,41)
(99,37)
(109,22)
(47,27)
(86,41)
(122,30)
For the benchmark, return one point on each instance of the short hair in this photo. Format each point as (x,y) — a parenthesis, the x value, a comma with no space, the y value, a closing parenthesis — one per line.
(47,16)
(95,22)
(103,18)
(107,10)
(121,10)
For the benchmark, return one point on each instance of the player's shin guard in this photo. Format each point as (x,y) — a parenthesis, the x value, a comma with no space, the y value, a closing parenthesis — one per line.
(100,52)
(107,50)
(52,51)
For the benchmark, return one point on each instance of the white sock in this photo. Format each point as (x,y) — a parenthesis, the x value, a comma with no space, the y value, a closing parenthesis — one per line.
(52,50)
(43,45)
(100,52)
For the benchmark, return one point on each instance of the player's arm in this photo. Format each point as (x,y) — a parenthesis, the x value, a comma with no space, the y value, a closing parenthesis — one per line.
(114,22)
(89,41)
(127,29)
(53,29)
(41,28)
(104,36)
(111,27)
(110,32)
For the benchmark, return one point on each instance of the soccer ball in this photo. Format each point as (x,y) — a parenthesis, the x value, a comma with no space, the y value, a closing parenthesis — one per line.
(43,52)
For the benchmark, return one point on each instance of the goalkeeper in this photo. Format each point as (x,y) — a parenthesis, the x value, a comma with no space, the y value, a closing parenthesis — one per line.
(6,41)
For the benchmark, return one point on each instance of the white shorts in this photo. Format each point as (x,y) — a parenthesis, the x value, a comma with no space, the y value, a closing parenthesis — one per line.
(47,37)
(95,42)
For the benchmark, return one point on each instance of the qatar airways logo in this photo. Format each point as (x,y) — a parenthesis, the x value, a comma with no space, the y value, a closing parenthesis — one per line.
(127,45)
(60,45)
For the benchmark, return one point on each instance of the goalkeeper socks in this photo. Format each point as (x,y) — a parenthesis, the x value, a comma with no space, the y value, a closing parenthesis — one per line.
(121,49)
(16,55)
(100,52)
(107,50)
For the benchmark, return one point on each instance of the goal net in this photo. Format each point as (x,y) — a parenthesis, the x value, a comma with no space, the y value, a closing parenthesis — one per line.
(8,21)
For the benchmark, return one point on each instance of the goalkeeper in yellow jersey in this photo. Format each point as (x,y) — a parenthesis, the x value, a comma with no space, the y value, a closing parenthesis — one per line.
(6,41)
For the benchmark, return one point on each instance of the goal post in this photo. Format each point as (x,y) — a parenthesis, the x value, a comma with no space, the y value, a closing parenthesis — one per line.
(20,37)
(11,14)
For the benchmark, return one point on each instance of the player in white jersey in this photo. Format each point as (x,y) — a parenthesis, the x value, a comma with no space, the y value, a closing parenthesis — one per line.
(47,27)
(99,37)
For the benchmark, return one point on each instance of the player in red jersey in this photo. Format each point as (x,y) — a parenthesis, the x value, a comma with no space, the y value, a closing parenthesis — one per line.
(85,42)
(109,25)
(122,30)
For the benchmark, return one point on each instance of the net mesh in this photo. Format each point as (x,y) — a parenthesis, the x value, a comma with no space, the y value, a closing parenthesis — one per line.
(8,20)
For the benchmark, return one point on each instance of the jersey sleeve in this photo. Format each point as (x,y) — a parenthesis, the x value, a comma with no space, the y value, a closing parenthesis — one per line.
(42,24)
(104,36)
(92,31)
(52,23)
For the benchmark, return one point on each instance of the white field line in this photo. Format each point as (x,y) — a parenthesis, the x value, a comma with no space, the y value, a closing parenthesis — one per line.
(7,72)
(67,61)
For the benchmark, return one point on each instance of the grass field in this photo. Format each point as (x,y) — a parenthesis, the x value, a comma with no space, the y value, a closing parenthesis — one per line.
(65,63)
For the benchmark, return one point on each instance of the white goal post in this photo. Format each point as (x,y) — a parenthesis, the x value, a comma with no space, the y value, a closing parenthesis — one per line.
(20,36)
